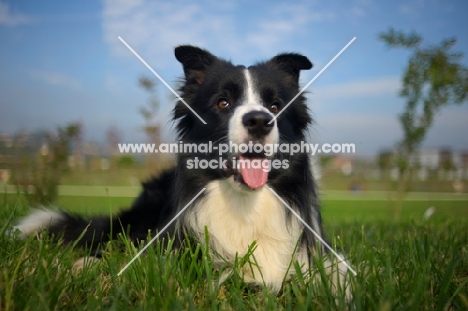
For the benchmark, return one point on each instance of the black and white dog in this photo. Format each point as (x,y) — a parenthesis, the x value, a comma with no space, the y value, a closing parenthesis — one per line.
(239,205)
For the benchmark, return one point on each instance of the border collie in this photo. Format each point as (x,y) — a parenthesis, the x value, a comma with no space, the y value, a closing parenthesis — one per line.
(241,204)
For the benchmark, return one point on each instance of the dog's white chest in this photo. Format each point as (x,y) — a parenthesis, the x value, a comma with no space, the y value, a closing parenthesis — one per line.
(236,219)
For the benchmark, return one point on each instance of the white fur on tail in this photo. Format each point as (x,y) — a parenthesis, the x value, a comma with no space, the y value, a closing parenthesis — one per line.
(39,219)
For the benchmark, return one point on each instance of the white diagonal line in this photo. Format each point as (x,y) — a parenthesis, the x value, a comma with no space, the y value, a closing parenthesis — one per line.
(161,231)
(161,79)
(313,231)
(313,79)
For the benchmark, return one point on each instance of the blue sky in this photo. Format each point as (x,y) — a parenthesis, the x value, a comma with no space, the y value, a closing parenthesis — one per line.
(61,61)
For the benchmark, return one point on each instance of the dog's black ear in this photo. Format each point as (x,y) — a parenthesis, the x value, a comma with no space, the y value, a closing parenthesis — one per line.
(195,61)
(291,64)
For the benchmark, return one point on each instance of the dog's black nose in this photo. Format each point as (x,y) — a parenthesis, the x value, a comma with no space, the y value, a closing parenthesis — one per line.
(257,123)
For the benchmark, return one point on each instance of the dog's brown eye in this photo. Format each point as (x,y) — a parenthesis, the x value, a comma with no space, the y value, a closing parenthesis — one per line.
(223,103)
(274,108)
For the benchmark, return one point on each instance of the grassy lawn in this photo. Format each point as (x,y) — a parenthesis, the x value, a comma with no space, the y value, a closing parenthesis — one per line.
(409,264)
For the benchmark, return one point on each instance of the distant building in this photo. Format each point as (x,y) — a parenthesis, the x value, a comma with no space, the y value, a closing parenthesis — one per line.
(449,164)
(429,159)
(344,164)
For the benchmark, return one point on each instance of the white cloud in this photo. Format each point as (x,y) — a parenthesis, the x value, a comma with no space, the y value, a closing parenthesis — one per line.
(449,128)
(357,12)
(361,122)
(416,8)
(154,28)
(369,132)
(413,7)
(406,9)
(283,22)
(356,89)
(55,78)
(362,8)
(372,131)
(113,84)
(8,18)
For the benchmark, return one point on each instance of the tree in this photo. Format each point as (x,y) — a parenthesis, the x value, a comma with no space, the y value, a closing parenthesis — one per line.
(432,79)
(51,163)
(113,138)
(149,111)
(73,132)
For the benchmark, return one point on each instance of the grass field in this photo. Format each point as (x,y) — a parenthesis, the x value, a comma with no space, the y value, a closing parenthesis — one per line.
(409,264)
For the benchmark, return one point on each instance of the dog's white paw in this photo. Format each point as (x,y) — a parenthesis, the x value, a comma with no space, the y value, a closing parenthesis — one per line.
(85,262)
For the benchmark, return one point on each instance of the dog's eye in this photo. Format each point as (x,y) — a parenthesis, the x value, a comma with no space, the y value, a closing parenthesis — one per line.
(223,103)
(274,108)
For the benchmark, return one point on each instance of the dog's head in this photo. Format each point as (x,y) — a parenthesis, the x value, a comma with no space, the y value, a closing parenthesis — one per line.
(240,105)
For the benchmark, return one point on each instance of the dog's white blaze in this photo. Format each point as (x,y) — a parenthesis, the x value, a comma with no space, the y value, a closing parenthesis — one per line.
(235,219)
(251,97)
(251,101)
(37,220)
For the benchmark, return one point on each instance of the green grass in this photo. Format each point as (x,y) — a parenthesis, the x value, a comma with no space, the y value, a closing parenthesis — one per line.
(408,264)
(339,211)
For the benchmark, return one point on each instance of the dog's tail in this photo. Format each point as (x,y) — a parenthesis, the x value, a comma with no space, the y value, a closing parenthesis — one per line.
(71,228)
(148,214)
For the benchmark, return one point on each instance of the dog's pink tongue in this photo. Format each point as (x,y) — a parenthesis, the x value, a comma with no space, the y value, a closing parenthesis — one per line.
(253,177)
